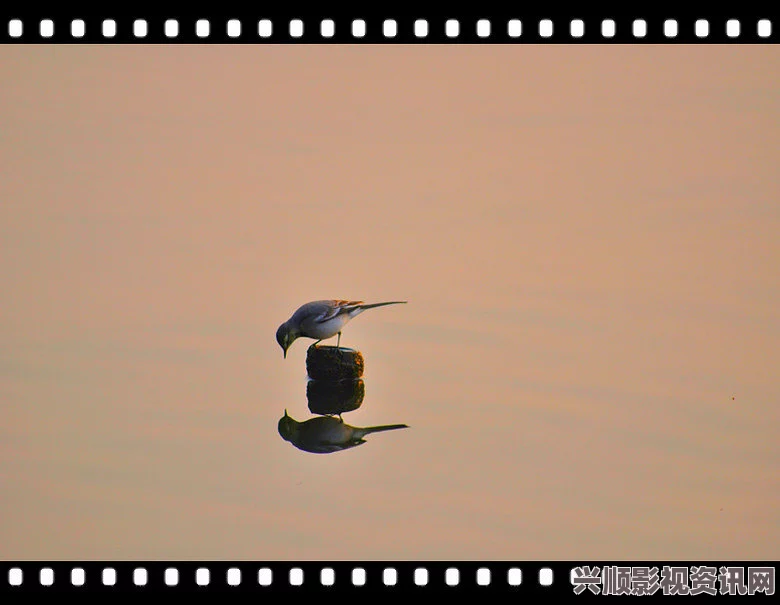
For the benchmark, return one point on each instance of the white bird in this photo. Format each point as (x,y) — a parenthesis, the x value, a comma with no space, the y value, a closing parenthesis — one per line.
(322,319)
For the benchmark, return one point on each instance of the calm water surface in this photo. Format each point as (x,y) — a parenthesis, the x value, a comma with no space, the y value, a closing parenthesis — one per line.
(587,238)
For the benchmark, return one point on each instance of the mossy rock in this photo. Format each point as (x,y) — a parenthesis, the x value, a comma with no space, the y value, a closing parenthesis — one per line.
(333,363)
(329,397)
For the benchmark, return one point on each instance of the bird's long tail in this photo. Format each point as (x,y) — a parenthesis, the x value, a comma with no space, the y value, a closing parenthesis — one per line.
(362,432)
(382,304)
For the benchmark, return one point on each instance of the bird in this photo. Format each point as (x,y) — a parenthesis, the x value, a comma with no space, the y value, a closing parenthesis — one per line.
(321,319)
(327,434)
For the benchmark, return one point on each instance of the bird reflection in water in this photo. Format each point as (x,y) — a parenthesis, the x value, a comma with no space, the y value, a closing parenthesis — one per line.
(327,434)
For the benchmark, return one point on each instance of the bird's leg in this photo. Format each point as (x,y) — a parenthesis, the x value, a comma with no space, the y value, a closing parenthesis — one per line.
(338,348)
(338,341)
(316,343)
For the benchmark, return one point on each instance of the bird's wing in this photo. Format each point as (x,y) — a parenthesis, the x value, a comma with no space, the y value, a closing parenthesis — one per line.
(328,448)
(345,446)
(336,308)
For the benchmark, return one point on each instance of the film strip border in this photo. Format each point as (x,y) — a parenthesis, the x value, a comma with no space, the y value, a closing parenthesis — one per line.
(756,28)
(267,578)
(481,578)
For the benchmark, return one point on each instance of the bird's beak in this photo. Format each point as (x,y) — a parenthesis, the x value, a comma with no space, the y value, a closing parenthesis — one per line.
(285,412)
(285,353)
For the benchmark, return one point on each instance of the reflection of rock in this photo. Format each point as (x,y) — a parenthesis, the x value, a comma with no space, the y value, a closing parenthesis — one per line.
(326,434)
(328,397)
(333,363)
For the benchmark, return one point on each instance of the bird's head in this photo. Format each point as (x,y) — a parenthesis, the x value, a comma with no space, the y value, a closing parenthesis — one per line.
(285,337)
(287,427)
